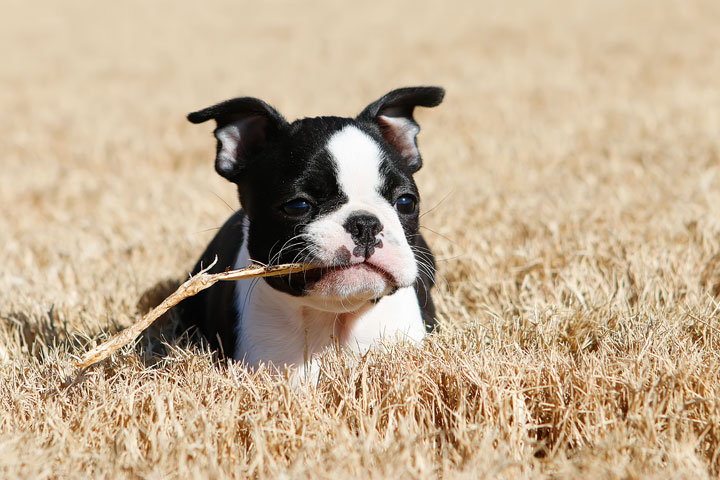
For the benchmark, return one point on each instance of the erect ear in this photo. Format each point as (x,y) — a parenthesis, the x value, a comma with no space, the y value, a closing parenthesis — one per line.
(243,126)
(393,113)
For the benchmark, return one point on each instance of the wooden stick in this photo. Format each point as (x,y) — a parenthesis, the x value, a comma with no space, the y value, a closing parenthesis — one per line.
(191,287)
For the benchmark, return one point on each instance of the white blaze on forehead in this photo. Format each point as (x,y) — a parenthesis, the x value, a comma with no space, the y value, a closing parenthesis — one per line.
(357,157)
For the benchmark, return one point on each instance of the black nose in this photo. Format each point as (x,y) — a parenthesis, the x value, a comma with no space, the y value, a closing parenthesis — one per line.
(363,228)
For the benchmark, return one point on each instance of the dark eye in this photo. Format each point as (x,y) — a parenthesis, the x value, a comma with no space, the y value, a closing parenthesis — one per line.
(406,204)
(297,207)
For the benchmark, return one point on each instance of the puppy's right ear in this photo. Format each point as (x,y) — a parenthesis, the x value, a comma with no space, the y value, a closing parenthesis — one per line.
(243,126)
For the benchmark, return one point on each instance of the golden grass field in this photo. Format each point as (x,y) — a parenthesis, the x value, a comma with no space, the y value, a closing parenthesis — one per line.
(571,189)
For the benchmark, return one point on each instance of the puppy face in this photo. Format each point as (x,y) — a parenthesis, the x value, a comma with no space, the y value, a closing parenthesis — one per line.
(344,202)
(335,192)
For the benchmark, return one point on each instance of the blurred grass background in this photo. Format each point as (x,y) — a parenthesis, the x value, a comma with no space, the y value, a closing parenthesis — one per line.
(571,190)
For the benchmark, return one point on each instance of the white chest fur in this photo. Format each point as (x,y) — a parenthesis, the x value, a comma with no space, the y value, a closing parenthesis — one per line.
(280,329)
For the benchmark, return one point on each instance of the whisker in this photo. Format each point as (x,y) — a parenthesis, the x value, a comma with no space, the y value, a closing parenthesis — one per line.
(423,251)
(223,200)
(439,234)
(437,204)
(208,230)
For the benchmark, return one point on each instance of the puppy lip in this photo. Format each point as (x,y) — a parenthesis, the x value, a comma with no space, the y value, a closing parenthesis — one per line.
(321,271)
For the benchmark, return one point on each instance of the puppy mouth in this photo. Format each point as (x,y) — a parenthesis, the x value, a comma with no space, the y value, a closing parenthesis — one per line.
(315,275)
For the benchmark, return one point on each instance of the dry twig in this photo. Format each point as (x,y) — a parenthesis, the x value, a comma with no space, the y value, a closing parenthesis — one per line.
(191,287)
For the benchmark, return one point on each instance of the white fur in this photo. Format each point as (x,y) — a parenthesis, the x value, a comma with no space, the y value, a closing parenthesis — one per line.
(281,330)
(229,138)
(405,132)
(357,159)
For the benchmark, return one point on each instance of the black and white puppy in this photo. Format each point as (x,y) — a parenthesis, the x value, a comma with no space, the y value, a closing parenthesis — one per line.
(331,191)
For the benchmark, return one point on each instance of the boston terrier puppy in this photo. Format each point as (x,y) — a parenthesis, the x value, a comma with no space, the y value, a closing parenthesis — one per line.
(329,191)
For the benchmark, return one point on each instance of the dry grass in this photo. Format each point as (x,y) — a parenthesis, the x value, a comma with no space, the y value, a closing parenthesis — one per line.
(572,184)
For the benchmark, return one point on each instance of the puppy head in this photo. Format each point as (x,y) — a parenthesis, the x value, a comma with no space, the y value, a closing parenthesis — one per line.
(336,192)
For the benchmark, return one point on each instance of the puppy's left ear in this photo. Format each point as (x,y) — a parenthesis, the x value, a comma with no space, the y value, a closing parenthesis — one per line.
(244,126)
(393,114)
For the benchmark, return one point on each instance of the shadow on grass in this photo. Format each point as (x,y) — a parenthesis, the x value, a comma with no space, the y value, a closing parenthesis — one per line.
(43,337)
(35,336)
